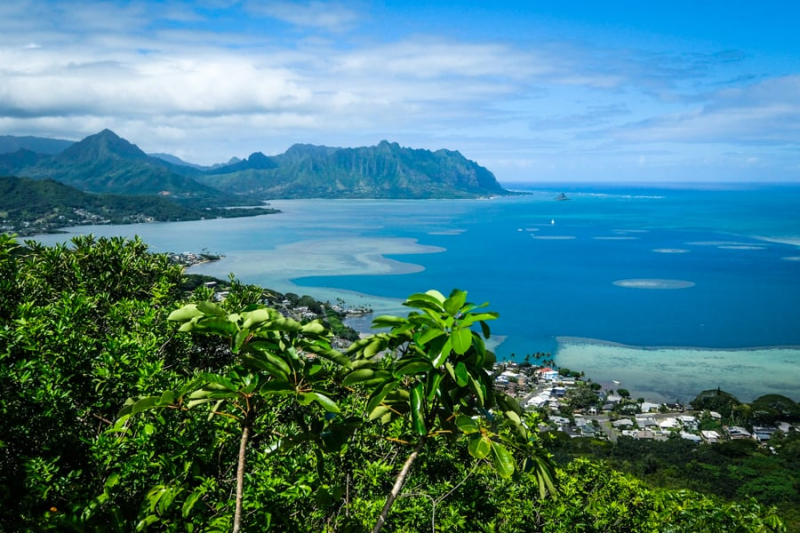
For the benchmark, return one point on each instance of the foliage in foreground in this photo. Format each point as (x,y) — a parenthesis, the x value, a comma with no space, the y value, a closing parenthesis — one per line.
(84,328)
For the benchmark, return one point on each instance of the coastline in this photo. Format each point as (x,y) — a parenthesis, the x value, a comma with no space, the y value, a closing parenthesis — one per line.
(667,373)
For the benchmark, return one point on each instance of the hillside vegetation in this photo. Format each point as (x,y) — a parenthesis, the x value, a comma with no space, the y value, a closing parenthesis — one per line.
(127,404)
(30,206)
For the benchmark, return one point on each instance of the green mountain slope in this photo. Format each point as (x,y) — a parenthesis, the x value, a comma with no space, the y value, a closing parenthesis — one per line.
(106,163)
(383,171)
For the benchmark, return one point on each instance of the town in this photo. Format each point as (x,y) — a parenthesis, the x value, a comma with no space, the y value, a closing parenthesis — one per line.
(576,406)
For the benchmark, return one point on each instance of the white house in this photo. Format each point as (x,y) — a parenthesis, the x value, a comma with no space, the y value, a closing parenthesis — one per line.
(547,374)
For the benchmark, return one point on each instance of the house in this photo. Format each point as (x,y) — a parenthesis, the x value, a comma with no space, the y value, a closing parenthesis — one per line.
(622,422)
(669,423)
(646,422)
(649,407)
(736,433)
(691,437)
(710,437)
(558,392)
(763,433)
(547,374)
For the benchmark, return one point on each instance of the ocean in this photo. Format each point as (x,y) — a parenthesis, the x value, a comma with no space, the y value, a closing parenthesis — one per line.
(669,290)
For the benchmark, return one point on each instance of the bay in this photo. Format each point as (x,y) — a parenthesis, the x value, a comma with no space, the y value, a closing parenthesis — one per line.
(696,273)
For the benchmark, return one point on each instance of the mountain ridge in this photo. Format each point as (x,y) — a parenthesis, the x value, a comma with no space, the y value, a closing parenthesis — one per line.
(107,163)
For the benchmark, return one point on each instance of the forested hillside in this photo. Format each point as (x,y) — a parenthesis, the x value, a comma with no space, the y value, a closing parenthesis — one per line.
(128,404)
(30,206)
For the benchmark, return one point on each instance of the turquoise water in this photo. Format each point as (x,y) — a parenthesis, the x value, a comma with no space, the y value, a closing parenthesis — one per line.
(636,266)
(557,279)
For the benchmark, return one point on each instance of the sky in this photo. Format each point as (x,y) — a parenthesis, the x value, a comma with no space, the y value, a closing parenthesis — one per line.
(536,91)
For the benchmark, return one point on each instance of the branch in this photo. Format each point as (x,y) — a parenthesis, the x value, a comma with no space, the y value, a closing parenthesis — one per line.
(398,486)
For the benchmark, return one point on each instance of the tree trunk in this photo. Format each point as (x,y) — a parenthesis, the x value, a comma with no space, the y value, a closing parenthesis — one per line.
(237,517)
(398,486)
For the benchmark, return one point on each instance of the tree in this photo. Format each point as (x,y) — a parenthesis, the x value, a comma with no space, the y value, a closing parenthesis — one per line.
(435,384)
(276,357)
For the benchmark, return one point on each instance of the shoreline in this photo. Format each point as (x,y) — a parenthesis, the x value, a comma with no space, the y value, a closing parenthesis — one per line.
(664,373)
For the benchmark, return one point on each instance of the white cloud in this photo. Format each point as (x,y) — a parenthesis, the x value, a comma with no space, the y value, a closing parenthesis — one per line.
(332,16)
(765,112)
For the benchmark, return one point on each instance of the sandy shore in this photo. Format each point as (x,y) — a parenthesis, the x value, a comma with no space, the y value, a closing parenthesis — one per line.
(667,374)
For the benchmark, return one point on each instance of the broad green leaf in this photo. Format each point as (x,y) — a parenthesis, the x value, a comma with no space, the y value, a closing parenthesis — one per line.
(255,318)
(425,301)
(216,379)
(388,321)
(266,364)
(428,335)
(418,410)
(374,347)
(239,339)
(436,294)
(166,398)
(462,375)
(210,309)
(412,367)
(218,325)
(467,425)
(455,302)
(187,312)
(358,376)
(479,446)
(335,357)
(450,369)
(380,393)
(432,385)
(313,328)
(326,403)
(503,460)
(462,340)
(514,417)
(487,333)
(478,388)
(442,356)
(191,500)
(379,412)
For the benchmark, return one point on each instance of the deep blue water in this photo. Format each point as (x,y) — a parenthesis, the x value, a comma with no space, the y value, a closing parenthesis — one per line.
(746,292)
(745,296)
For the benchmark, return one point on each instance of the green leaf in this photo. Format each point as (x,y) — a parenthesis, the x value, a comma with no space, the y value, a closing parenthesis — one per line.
(432,385)
(425,301)
(487,333)
(467,425)
(442,356)
(210,308)
(418,410)
(313,328)
(428,335)
(436,294)
(379,394)
(326,403)
(255,318)
(479,446)
(374,347)
(462,375)
(455,302)
(190,501)
(503,460)
(358,376)
(412,367)
(187,312)
(462,340)
(166,398)
(478,388)
(388,321)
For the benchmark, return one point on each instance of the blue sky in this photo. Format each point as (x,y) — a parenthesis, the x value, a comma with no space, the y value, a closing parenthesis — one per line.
(535,91)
